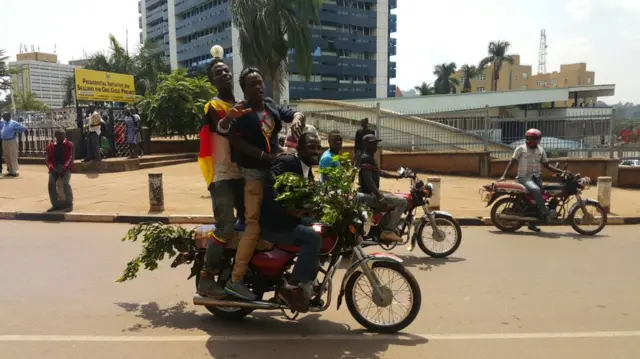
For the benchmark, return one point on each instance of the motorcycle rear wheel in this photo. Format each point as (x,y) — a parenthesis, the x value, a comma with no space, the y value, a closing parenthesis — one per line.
(226,313)
(413,287)
(505,226)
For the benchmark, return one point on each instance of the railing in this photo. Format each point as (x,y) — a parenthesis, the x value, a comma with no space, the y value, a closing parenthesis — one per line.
(575,132)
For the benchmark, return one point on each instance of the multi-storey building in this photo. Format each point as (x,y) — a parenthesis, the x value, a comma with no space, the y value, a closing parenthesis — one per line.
(519,77)
(41,74)
(352,43)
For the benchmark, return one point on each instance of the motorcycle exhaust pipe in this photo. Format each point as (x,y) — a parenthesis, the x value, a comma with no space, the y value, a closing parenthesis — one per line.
(257,304)
(511,217)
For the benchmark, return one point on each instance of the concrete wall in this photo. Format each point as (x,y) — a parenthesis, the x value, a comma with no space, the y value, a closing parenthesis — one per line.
(629,176)
(453,163)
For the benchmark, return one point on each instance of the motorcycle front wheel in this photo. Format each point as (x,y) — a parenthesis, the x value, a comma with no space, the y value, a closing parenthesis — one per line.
(371,315)
(447,245)
(600,217)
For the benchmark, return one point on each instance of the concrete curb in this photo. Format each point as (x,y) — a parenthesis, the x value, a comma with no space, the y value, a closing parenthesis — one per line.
(204,219)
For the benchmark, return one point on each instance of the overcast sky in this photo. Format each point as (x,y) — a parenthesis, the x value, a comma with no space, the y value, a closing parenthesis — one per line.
(603,33)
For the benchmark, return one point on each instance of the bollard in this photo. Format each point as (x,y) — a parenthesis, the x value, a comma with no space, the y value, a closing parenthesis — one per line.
(604,193)
(434,201)
(156,193)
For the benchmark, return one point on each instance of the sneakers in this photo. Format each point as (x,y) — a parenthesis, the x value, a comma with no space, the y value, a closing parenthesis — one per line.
(294,297)
(53,209)
(239,290)
(390,236)
(533,228)
(208,287)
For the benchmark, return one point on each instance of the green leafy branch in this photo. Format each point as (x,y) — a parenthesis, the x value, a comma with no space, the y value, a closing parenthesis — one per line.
(158,240)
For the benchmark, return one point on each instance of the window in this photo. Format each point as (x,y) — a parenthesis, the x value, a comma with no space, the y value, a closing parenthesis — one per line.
(525,76)
(566,80)
(524,87)
(554,82)
(589,80)
(480,89)
(539,83)
(482,76)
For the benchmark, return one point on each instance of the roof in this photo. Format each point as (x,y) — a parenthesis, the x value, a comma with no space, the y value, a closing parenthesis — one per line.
(470,101)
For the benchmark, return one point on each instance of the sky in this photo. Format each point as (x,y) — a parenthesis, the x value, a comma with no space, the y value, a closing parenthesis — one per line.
(603,33)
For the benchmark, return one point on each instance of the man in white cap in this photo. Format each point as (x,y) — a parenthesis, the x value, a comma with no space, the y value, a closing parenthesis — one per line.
(93,137)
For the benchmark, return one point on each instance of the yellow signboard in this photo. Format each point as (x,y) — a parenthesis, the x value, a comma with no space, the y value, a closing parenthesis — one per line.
(104,86)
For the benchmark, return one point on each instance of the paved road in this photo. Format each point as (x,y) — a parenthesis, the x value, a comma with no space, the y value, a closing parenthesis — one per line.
(500,296)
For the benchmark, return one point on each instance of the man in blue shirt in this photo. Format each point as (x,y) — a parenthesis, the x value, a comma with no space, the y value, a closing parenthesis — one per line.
(9,136)
(335,145)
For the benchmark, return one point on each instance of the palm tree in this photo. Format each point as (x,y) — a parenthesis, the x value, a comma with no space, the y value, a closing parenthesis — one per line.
(29,102)
(69,86)
(444,83)
(5,83)
(497,56)
(270,30)
(149,65)
(117,60)
(425,89)
(468,72)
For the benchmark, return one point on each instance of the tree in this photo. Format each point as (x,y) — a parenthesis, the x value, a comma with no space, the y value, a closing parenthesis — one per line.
(5,102)
(5,81)
(497,56)
(29,102)
(425,89)
(469,72)
(177,105)
(270,30)
(69,95)
(444,83)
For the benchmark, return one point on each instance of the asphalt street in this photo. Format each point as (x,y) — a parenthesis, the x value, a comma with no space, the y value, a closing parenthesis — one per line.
(549,295)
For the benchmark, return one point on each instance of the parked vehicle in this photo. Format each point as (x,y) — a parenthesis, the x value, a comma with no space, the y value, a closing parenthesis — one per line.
(271,266)
(445,233)
(633,163)
(513,206)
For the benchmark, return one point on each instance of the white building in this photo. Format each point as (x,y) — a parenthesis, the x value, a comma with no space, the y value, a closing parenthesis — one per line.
(41,74)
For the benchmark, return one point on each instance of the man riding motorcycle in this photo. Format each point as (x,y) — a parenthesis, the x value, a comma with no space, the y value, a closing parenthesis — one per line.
(280,226)
(529,157)
(369,192)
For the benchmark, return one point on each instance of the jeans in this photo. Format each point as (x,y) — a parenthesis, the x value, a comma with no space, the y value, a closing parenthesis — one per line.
(398,205)
(1,158)
(253,192)
(533,186)
(53,193)
(310,243)
(227,195)
(93,147)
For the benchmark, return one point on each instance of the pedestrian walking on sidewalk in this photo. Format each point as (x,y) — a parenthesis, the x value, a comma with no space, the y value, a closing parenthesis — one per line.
(93,128)
(60,162)
(9,135)
(130,133)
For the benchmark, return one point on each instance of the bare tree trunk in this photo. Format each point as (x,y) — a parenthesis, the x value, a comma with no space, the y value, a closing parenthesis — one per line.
(276,90)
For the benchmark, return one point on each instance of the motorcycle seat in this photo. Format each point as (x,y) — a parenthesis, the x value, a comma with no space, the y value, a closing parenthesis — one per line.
(203,234)
(509,187)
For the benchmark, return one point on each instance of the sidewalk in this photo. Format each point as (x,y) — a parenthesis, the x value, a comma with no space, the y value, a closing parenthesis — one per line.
(185,193)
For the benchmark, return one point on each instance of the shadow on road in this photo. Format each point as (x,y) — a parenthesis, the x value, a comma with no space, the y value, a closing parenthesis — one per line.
(267,324)
(551,235)
(425,263)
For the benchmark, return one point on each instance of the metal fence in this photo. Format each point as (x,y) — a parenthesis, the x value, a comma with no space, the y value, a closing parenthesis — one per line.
(575,132)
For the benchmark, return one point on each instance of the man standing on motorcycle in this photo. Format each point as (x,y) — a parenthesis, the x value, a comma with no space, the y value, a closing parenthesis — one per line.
(254,140)
(223,177)
(292,228)
(529,157)
(369,192)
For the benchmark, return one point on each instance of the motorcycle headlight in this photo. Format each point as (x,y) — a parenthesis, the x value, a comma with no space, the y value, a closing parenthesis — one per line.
(367,223)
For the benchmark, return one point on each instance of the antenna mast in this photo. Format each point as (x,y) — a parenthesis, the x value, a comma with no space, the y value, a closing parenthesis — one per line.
(542,56)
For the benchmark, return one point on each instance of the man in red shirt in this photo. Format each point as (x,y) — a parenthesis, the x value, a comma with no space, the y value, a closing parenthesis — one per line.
(60,163)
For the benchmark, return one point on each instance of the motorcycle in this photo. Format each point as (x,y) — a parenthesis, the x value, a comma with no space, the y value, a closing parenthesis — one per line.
(510,213)
(435,223)
(271,265)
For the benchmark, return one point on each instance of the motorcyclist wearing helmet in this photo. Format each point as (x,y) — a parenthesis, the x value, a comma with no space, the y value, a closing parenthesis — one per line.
(529,157)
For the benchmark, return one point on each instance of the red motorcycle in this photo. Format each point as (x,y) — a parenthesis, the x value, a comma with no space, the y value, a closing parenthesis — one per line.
(513,206)
(271,266)
(444,231)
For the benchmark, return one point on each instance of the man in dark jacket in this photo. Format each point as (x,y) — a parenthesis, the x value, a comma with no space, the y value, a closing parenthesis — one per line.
(254,143)
(280,226)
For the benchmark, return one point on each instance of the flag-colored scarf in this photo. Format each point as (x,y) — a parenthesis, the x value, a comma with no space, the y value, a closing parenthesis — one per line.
(206,157)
